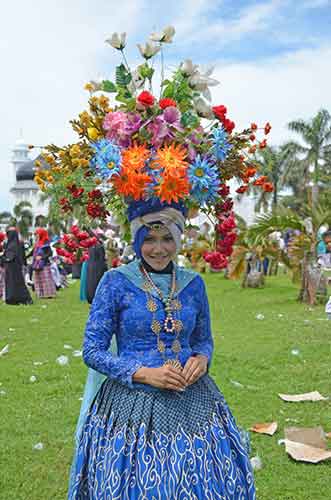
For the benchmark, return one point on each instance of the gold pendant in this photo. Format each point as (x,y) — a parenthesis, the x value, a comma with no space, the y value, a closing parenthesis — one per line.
(147,287)
(151,305)
(176,305)
(176,347)
(178,325)
(174,363)
(161,346)
(156,326)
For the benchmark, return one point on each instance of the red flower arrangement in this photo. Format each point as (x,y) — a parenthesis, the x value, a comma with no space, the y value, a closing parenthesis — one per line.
(166,102)
(73,246)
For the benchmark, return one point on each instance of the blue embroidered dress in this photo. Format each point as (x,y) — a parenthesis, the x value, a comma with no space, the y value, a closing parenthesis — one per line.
(138,442)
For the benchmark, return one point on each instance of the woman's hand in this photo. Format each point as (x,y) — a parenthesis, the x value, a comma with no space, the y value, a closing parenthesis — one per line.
(164,377)
(195,367)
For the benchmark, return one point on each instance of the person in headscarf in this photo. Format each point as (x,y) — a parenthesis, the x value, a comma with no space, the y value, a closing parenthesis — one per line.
(16,291)
(42,276)
(96,267)
(153,423)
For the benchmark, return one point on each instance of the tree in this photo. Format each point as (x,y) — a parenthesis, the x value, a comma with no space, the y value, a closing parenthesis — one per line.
(315,149)
(22,217)
(302,252)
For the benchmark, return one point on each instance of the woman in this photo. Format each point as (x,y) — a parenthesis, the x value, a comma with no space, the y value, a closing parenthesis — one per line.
(157,427)
(42,275)
(16,291)
(96,267)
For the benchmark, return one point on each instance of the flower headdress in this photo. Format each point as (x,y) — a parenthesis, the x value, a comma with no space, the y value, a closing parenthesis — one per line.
(136,147)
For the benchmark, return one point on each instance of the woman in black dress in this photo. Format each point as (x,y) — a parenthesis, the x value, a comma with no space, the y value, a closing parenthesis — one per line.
(16,291)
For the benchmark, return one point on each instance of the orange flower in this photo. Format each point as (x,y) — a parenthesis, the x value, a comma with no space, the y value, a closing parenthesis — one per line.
(260,181)
(135,156)
(171,158)
(172,187)
(250,171)
(242,189)
(131,182)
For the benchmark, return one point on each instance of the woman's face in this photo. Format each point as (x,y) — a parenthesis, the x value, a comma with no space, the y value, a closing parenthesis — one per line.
(159,248)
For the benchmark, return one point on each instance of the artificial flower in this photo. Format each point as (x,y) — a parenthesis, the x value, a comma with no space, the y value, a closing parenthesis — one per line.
(260,181)
(219,111)
(172,187)
(146,99)
(263,144)
(268,187)
(253,126)
(171,158)
(204,181)
(220,144)
(188,68)
(202,108)
(107,158)
(166,102)
(117,41)
(165,36)
(242,189)
(148,50)
(267,128)
(135,156)
(216,260)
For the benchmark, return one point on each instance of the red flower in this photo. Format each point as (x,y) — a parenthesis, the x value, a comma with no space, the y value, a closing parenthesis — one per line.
(74,230)
(145,98)
(263,144)
(268,187)
(220,112)
(95,194)
(242,189)
(165,103)
(96,210)
(224,190)
(253,126)
(77,193)
(226,225)
(216,260)
(252,149)
(228,125)
(222,208)
(260,181)
(252,137)
(65,205)
(267,128)
(250,172)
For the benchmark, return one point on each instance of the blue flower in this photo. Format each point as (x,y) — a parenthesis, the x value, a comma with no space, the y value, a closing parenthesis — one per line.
(204,180)
(221,146)
(107,158)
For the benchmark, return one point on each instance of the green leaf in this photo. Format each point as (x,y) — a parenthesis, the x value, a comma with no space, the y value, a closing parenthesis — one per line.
(108,86)
(123,76)
(189,120)
(146,71)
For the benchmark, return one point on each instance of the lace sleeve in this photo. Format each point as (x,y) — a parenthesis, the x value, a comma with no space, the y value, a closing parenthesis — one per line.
(101,326)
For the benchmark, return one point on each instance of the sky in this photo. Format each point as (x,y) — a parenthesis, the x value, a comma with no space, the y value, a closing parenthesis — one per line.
(272,59)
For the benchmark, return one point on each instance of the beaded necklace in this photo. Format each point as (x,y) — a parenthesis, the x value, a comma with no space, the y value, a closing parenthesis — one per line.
(171,324)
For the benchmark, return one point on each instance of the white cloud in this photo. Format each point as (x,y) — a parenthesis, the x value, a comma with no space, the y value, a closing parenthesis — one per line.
(277,89)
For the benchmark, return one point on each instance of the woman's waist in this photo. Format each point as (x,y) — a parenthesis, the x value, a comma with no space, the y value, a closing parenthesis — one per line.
(153,358)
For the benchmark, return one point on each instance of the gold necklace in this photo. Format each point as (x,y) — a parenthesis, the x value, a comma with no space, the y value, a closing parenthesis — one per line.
(170,324)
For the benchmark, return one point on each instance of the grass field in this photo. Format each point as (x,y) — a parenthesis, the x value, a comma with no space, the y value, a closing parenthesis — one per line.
(254,353)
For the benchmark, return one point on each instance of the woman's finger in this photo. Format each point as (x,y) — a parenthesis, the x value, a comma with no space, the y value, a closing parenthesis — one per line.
(195,375)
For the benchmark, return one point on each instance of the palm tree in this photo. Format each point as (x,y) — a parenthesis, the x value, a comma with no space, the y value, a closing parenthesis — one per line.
(22,217)
(302,251)
(316,147)
(274,163)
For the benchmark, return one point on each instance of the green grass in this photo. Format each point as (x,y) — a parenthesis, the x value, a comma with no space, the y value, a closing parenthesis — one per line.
(255,353)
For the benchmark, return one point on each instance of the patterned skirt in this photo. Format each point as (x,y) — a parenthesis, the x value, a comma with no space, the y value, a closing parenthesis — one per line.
(43,283)
(164,445)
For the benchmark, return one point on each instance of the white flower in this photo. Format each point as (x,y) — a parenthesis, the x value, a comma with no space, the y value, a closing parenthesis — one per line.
(188,68)
(117,40)
(202,108)
(165,36)
(149,50)
(137,81)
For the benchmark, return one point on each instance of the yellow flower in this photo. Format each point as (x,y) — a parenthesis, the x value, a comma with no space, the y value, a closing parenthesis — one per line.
(84,162)
(74,151)
(62,153)
(103,101)
(89,86)
(93,133)
(85,118)
(37,163)
(75,162)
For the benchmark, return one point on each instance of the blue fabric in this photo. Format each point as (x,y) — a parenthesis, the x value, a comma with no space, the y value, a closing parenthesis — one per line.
(161,446)
(83,282)
(119,309)
(139,240)
(143,207)
(140,442)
